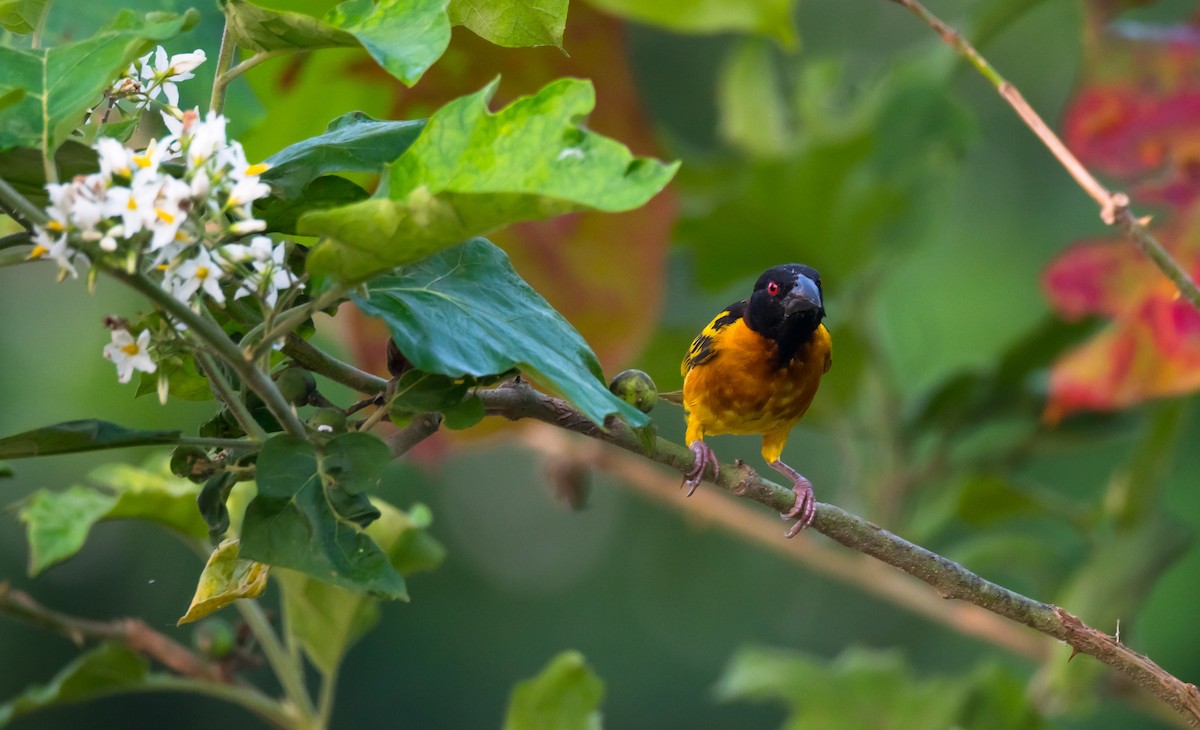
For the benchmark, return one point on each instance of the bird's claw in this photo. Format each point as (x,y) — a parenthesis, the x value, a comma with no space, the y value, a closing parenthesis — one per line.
(805,509)
(704,459)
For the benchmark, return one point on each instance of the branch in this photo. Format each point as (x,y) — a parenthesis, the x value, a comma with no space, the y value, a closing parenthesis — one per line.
(1114,207)
(517,400)
(130,632)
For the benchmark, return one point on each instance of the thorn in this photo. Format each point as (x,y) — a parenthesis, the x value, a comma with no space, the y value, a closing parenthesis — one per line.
(1117,636)
(1074,651)
(1144,221)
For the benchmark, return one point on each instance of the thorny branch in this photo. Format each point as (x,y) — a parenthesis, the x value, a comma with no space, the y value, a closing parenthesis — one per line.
(1114,207)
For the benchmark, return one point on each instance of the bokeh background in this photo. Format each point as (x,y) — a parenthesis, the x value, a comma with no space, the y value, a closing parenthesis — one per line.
(864,148)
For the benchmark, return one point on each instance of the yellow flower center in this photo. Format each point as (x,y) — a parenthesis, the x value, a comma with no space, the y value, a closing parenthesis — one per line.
(201,272)
(164,216)
(258,169)
(132,204)
(55,226)
(38,252)
(131,349)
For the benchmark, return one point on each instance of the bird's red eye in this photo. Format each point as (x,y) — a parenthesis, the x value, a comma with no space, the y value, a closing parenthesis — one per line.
(772,288)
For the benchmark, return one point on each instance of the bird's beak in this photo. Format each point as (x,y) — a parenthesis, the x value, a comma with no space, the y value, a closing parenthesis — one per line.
(804,297)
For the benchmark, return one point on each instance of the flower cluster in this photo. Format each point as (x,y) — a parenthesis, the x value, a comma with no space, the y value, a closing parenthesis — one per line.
(178,211)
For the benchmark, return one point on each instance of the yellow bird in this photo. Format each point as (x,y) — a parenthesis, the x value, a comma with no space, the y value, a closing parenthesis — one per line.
(755,369)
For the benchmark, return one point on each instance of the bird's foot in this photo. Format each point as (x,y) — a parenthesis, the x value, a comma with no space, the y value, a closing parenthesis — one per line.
(805,508)
(704,459)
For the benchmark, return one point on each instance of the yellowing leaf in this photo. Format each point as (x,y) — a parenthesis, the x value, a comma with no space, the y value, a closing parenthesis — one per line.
(225,579)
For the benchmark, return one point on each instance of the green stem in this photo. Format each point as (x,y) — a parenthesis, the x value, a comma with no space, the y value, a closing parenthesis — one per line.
(224,58)
(318,361)
(215,443)
(215,337)
(325,699)
(289,673)
(1114,207)
(225,77)
(227,395)
(246,697)
(20,204)
(39,28)
(292,318)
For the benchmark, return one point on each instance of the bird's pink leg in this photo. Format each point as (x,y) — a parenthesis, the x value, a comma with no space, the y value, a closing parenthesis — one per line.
(704,459)
(806,502)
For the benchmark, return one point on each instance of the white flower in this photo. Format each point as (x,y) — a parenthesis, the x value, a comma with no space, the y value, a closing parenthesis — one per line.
(47,244)
(115,159)
(182,64)
(246,191)
(129,354)
(267,274)
(198,274)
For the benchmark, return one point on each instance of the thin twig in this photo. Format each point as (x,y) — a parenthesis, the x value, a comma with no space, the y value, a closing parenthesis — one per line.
(1114,207)
(130,632)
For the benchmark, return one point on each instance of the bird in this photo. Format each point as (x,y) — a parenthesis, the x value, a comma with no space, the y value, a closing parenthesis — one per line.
(755,370)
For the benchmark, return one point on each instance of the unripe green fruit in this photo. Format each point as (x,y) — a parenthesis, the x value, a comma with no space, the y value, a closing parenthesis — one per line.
(296,385)
(214,638)
(327,420)
(635,388)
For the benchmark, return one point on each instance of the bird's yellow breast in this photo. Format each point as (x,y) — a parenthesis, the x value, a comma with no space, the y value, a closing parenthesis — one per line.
(741,388)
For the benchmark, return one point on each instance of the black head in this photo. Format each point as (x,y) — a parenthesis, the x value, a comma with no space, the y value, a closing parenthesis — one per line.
(787,306)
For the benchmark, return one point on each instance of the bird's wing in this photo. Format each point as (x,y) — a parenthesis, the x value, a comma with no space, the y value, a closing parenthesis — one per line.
(702,350)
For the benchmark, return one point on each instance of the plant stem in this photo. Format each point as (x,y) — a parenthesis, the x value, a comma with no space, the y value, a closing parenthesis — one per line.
(290,319)
(224,58)
(243,696)
(226,394)
(39,28)
(20,204)
(215,337)
(1114,207)
(325,699)
(289,673)
(215,443)
(229,75)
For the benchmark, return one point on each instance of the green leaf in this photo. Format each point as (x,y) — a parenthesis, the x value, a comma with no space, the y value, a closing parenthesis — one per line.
(21,16)
(225,579)
(282,215)
(57,523)
(513,23)
(328,620)
(861,688)
(771,18)
(75,436)
(106,670)
(464,414)
(353,142)
(211,502)
(62,82)
(420,392)
(753,113)
(22,168)
(466,312)
(405,37)
(295,523)
(565,695)
(259,29)
(472,171)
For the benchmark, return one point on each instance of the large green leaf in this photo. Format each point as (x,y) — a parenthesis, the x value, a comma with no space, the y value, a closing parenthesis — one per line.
(513,23)
(297,521)
(58,523)
(353,142)
(565,695)
(74,436)
(105,670)
(62,82)
(405,37)
(772,18)
(472,171)
(21,16)
(328,620)
(466,312)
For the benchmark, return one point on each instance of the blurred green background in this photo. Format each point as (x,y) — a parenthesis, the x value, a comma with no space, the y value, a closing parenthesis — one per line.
(871,153)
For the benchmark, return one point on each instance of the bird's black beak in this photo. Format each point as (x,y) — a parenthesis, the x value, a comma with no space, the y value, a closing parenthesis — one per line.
(804,297)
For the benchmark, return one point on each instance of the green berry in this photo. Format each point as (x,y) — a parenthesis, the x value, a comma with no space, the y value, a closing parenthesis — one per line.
(214,638)
(635,388)
(296,385)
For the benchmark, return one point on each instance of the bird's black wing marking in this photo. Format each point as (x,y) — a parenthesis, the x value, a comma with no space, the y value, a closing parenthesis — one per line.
(701,350)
